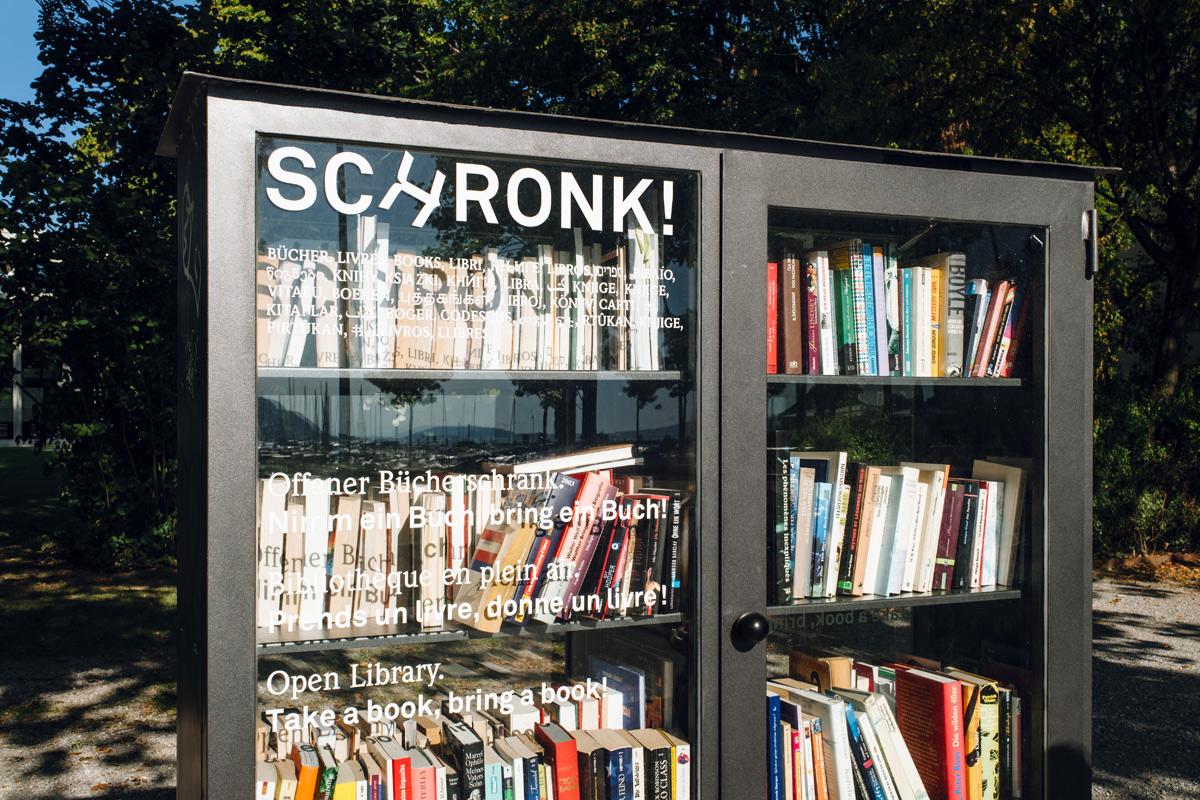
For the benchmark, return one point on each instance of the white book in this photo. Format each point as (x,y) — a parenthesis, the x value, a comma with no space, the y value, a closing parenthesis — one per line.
(877,762)
(936,475)
(826,337)
(514,766)
(637,756)
(316,547)
(301,313)
(921,331)
(1011,512)
(904,481)
(879,536)
(991,543)
(835,739)
(920,503)
(980,541)
(612,706)
(271,527)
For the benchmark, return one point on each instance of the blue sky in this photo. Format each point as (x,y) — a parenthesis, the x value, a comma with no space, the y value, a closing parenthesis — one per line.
(18,50)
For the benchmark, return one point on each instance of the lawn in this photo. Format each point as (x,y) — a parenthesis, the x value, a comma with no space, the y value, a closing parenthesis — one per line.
(48,606)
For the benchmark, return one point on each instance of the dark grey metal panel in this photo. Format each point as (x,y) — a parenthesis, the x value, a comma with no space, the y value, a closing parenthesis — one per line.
(1068,549)
(745,193)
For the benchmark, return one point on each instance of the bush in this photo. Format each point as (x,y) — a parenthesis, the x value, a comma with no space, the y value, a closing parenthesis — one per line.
(1146,468)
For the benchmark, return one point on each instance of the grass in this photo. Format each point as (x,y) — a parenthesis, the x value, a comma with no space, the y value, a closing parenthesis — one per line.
(50,607)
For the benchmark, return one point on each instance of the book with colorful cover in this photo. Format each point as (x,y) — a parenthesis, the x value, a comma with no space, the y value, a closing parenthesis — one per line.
(929,712)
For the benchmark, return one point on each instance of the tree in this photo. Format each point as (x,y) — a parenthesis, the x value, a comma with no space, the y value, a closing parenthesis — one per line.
(1085,81)
(87,281)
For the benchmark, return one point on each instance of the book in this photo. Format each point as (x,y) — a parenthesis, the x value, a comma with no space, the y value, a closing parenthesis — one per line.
(948,537)
(843,297)
(975,297)
(592,765)
(775,785)
(792,302)
(983,749)
(835,744)
(561,754)
(660,766)
(929,712)
(1011,510)
(950,287)
(772,318)
(681,752)
(589,459)
(827,334)
(463,749)
(308,766)
(894,751)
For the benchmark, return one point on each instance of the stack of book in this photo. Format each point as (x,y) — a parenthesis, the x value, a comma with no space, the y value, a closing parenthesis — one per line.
(908,729)
(843,527)
(465,756)
(851,309)
(378,307)
(540,541)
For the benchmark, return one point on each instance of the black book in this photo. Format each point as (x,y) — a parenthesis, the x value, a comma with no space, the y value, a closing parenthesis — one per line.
(593,767)
(463,749)
(966,535)
(856,473)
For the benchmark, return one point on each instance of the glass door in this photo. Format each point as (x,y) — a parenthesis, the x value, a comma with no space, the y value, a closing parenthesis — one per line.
(903,430)
(478,467)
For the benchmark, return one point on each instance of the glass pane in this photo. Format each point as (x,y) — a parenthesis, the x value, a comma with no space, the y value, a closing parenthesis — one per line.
(477,449)
(903,437)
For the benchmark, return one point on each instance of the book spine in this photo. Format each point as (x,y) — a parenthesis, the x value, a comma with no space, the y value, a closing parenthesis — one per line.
(812,322)
(793,299)
(956,304)
(862,757)
(906,322)
(853,525)
(879,289)
(772,318)
(937,323)
(775,750)
(847,343)
(891,278)
(864,346)
(999,344)
(825,304)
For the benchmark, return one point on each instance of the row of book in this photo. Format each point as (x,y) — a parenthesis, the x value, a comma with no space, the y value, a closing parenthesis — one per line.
(481,550)
(380,307)
(851,528)
(910,729)
(454,757)
(851,309)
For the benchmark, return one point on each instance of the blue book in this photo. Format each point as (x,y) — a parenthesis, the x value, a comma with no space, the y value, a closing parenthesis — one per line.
(822,495)
(775,748)
(545,543)
(620,766)
(872,354)
(862,756)
(630,682)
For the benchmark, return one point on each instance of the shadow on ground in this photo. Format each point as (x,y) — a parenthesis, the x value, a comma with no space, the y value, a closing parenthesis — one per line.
(1146,690)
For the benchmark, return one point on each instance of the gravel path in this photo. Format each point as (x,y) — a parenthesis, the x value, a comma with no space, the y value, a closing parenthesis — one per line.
(1145,689)
(72,728)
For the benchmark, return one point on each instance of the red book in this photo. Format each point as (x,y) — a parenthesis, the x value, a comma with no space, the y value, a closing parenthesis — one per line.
(983,350)
(772,318)
(929,712)
(562,756)
(947,548)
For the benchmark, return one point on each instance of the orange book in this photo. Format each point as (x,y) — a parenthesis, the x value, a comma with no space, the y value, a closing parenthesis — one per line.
(304,757)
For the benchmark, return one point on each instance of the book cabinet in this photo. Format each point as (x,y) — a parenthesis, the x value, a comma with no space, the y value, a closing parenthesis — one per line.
(445,300)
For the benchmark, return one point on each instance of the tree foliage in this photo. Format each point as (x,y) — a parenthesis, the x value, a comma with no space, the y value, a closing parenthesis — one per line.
(88,279)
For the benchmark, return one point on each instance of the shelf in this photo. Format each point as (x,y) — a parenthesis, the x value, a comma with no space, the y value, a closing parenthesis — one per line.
(390,636)
(869,601)
(471,374)
(895,380)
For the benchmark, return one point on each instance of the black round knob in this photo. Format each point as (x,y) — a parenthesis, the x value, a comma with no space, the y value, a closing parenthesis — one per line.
(750,629)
